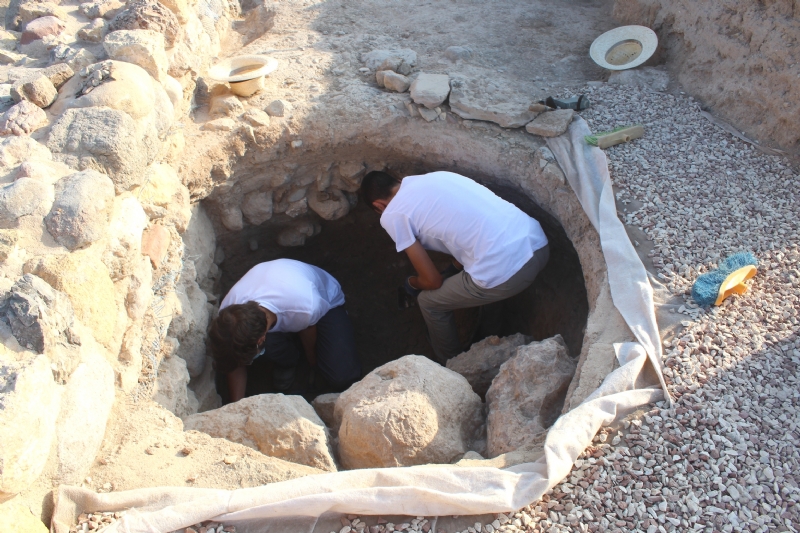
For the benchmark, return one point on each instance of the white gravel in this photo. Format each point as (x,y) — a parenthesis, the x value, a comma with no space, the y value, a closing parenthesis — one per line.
(724,457)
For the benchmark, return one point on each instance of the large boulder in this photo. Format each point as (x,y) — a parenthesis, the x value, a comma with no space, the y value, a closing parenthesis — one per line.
(85,406)
(330,205)
(527,395)
(81,210)
(164,197)
(15,150)
(85,279)
(24,196)
(190,322)
(276,425)
(407,412)
(39,316)
(16,516)
(104,139)
(482,362)
(29,407)
(257,207)
(148,15)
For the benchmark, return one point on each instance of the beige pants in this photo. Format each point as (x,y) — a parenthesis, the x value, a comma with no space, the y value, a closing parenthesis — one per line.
(461,292)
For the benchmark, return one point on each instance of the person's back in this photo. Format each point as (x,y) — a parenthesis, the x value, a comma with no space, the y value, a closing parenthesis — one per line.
(500,248)
(450,213)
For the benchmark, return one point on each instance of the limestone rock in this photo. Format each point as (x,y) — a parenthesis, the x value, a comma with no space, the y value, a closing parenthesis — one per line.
(164,197)
(15,150)
(103,139)
(29,406)
(257,207)
(225,105)
(8,243)
(174,92)
(39,90)
(58,74)
(324,405)
(43,170)
(374,58)
(128,221)
(16,516)
(458,53)
(482,362)
(231,218)
(81,210)
(527,395)
(29,11)
(85,279)
(148,15)
(107,9)
(85,406)
(199,241)
(279,108)
(93,32)
(181,9)
(430,90)
(297,234)
(22,119)
(428,114)
(350,175)
(172,390)
(276,425)
(189,325)
(650,77)
(330,205)
(551,123)
(39,316)
(407,412)
(220,124)
(140,293)
(41,27)
(471,101)
(24,196)
(396,82)
(297,208)
(257,118)
(380,77)
(140,47)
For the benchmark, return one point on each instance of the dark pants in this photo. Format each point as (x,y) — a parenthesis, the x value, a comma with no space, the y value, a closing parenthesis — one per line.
(336,349)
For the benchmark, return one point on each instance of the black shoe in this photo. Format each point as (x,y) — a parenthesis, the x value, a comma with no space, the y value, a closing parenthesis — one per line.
(578,103)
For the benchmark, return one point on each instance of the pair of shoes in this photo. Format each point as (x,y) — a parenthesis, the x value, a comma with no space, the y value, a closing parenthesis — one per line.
(283,377)
(578,103)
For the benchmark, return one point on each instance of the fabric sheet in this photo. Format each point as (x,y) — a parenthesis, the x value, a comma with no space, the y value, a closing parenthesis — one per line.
(302,505)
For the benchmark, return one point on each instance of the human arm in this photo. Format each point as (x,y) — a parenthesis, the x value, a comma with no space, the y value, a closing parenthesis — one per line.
(308,338)
(428,276)
(237,383)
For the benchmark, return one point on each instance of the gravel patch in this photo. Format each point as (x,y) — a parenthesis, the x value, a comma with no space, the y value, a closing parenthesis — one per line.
(724,456)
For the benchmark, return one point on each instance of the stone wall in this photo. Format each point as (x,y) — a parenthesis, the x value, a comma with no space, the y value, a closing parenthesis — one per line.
(739,57)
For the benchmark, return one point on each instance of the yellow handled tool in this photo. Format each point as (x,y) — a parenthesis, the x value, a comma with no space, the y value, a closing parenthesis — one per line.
(619,135)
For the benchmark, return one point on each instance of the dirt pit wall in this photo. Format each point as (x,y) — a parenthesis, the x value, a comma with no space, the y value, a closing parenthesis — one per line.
(739,57)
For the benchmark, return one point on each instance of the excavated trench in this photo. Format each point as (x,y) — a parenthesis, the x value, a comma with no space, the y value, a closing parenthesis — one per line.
(361,256)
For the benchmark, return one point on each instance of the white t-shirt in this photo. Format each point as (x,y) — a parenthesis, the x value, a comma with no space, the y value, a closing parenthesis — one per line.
(298,294)
(449,213)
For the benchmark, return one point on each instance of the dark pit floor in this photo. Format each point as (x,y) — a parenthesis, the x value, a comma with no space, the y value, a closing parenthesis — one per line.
(361,256)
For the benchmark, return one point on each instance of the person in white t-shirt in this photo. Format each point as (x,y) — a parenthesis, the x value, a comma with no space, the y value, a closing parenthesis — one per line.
(500,248)
(265,311)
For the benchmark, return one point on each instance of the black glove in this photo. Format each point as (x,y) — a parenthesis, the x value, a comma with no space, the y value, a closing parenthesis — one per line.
(450,271)
(411,291)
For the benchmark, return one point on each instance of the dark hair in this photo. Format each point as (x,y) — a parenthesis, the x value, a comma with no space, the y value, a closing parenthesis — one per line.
(234,334)
(377,186)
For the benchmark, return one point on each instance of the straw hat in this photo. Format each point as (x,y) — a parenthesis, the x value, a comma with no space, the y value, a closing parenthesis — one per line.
(624,47)
(242,68)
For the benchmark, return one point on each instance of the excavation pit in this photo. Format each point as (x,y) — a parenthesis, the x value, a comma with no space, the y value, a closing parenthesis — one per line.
(362,257)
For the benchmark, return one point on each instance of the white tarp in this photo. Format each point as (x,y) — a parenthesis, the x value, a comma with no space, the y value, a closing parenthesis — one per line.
(295,506)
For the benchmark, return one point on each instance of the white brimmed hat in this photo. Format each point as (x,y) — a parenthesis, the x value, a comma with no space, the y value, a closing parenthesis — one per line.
(624,47)
(242,68)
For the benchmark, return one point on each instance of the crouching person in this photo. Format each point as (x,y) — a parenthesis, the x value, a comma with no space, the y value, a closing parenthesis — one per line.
(264,314)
